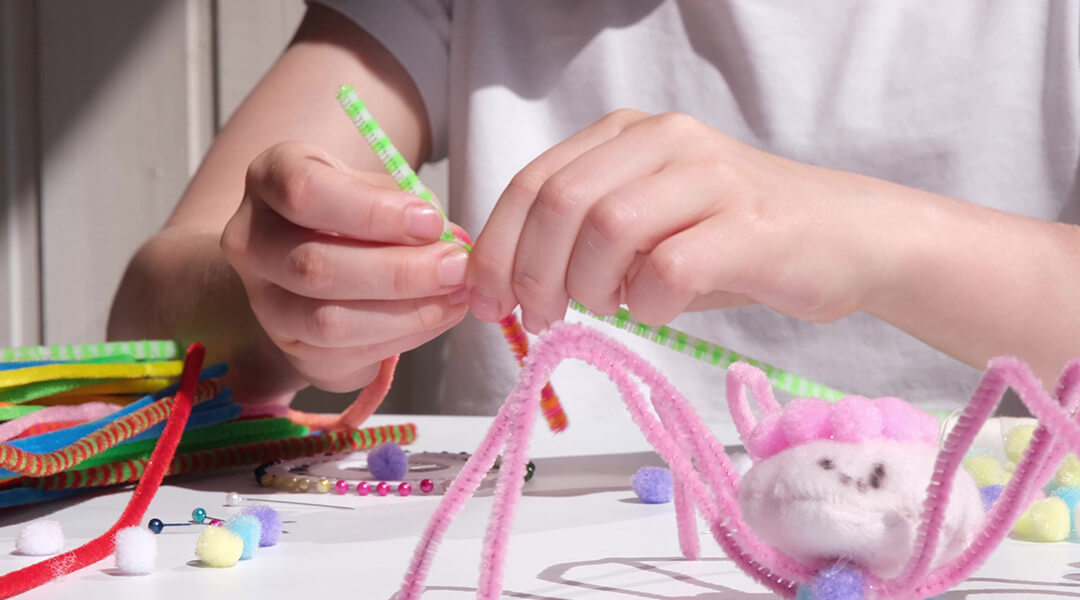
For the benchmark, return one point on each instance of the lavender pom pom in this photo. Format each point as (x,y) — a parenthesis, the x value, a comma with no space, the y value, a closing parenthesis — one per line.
(388,462)
(652,485)
(989,495)
(838,582)
(269,520)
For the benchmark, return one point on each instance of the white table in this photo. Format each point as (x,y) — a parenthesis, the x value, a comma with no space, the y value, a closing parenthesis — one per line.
(579,533)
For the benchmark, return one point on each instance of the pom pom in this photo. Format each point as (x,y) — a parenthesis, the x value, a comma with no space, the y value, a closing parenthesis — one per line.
(805,419)
(40,538)
(838,582)
(741,462)
(136,550)
(249,528)
(989,495)
(855,419)
(1068,474)
(1070,495)
(652,485)
(902,421)
(269,522)
(219,547)
(1017,440)
(1047,520)
(388,462)
(986,470)
(1076,520)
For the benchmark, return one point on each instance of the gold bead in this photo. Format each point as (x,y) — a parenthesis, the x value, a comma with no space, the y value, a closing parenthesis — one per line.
(323,486)
(268,480)
(303,485)
(292,483)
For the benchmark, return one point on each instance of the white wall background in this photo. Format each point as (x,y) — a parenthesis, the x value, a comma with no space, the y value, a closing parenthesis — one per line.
(106,108)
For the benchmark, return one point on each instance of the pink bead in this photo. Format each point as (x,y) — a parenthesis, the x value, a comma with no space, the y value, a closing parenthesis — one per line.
(363,488)
(404,489)
(215,523)
(382,488)
(427,486)
(341,486)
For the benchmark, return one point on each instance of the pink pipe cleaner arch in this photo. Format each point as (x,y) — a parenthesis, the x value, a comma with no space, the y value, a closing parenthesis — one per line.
(706,480)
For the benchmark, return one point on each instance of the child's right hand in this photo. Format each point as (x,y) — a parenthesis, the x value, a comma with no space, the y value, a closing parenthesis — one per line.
(342,269)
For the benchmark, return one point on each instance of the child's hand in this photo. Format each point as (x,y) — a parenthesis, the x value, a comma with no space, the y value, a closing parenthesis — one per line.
(339,266)
(666,214)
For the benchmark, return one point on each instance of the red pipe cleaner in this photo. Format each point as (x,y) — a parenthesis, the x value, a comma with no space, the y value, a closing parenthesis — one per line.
(28,578)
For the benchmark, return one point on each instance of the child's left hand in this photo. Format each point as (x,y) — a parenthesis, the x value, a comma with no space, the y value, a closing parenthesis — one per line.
(666,214)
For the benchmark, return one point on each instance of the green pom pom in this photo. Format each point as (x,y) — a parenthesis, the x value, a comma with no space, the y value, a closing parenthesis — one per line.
(986,470)
(1047,520)
(1017,440)
(219,547)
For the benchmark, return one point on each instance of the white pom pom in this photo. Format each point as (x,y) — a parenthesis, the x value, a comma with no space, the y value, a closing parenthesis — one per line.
(742,462)
(136,550)
(40,538)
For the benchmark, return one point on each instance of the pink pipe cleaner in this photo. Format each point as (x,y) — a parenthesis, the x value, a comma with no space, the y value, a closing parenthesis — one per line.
(88,411)
(706,480)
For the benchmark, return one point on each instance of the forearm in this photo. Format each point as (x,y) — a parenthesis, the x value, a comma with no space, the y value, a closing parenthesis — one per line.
(977,283)
(179,286)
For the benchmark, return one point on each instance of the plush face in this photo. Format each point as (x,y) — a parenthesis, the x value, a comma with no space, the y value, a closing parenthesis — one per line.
(826,501)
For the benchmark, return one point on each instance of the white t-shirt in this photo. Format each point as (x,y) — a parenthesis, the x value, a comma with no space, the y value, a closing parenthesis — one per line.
(972,99)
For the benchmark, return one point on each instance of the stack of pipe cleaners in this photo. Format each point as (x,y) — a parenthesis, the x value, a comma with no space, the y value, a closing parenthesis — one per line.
(79,417)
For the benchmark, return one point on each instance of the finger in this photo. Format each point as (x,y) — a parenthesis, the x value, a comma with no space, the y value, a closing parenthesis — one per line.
(707,258)
(630,222)
(339,370)
(289,318)
(327,267)
(554,221)
(491,264)
(304,185)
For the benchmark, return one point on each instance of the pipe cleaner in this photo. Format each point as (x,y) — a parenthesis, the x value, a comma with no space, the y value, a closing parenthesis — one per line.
(36,574)
(408,181)
(837,466)
(137,349)
(63,414)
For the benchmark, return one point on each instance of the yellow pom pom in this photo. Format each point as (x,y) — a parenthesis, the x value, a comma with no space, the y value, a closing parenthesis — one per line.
(1069,471)
(1017,440)
(219,547)
(1047,520)
(986,470)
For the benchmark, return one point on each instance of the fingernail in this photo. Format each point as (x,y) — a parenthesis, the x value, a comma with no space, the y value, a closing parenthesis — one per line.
(423,222)
(459,297)
(483,306)
(452,268)
(533,323)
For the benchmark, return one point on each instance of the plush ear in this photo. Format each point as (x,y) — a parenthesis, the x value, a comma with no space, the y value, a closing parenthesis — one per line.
(740,376)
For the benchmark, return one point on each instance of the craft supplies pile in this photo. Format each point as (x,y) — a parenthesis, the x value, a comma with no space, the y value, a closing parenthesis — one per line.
(80,417)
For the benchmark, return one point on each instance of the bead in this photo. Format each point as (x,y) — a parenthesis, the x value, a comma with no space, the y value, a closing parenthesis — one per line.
(198,515)
(341,486)
(292,483)
(216,523)
(382,488)
(530,470)
(427,486)
(404,488)
(304,485)
(363,488)
(260,472)
(233,499)
(155,525)
(268,480)
(322,486)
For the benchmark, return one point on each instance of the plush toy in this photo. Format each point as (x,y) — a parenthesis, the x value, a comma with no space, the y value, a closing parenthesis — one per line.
(845,501)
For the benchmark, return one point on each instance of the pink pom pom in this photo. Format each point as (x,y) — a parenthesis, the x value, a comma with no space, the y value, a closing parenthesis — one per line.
(805,419)
(767,438)
(855,419)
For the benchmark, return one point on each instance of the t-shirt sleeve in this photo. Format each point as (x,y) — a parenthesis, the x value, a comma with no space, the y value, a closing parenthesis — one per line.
(417,33)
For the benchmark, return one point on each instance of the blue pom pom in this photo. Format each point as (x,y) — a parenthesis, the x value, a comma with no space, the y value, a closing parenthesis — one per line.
(1070,494)
(652,485)
(989,495)
(388,462)
(804,593)
(838,582)
(249,529)
(270,522)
